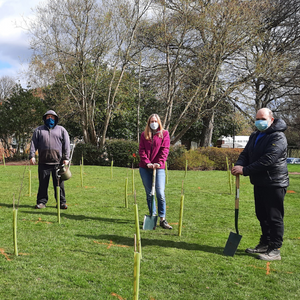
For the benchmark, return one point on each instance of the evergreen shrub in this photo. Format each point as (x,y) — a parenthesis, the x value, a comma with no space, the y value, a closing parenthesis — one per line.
(123,153)
(175,153)
(218,156)
(195,161)
(91,154)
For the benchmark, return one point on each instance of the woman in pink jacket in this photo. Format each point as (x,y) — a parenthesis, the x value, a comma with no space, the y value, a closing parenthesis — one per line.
(153,150)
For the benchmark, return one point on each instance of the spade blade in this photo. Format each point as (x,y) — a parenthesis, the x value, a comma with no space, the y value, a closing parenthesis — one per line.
(232,244)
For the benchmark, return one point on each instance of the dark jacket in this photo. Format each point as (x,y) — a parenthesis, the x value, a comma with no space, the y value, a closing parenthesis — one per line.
(265,162)
(155,150)
(53,145)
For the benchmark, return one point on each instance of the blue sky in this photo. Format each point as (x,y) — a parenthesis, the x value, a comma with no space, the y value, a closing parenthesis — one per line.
(14,42)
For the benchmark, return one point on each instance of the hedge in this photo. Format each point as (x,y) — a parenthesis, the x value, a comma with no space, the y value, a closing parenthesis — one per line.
(124,153)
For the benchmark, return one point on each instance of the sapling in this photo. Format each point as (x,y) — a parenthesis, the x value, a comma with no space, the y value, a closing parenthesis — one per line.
(229,175)
(136,271)
(15,214)
(186,167)
(167,175)
(81,172)
(58,202)
(126,197)
(137,225)
(132,179)
(111,169)
(29,182)
(181,210)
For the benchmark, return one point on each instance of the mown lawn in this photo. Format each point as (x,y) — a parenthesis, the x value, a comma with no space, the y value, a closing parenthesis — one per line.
(90,254)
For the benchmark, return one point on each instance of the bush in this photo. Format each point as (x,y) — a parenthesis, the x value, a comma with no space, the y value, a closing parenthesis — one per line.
(196,161)
(91,154)
(124,153)
(218,156)
(174,154)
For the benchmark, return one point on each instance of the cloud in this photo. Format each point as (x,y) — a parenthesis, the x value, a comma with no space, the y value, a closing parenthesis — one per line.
(14,42)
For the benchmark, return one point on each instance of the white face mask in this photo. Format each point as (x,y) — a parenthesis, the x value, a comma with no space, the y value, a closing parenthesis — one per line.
(154,125)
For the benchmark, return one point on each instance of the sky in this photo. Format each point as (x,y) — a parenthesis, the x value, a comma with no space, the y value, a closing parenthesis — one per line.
(14,42)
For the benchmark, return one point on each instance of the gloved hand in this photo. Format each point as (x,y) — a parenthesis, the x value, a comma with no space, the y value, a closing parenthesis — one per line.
(66,162)
(32,160)
(150,166)
(156,166)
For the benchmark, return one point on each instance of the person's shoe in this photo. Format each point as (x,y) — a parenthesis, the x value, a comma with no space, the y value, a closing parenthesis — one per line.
(40,206)
(260,248)
(164,224)
(272,254)
(62,206)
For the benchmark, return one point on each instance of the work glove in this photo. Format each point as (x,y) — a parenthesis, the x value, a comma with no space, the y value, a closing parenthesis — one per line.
(32,161)
(150,166)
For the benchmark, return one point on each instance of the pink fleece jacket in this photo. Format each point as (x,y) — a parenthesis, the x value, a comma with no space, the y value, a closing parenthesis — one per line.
(155,150)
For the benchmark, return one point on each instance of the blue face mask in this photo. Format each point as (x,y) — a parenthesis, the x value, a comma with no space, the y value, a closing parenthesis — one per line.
(50,123)
(261,125)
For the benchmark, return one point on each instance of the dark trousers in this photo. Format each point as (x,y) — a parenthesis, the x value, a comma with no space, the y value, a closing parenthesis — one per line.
(44,172)
(269,212)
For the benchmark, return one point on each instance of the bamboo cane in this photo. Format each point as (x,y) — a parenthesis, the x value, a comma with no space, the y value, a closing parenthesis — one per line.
(132,181)
(29,183)
(229,176)
(167,175)
(81,174)
(58,203)
(58,198)
(15,214)
(181,215)
(126,193)
(137,229)
(136,272)
(181,210)
(111,169)
(186,165)
(3,158)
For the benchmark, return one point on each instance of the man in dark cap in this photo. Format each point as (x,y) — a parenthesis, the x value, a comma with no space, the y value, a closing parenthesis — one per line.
(264,160)
(53,145)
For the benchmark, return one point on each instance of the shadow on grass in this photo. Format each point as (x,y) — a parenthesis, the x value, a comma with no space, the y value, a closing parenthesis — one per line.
(77,217)
(20,206)
(161,243)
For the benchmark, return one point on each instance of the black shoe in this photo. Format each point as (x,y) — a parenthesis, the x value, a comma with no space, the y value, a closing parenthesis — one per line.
(272,254)
(62,206)
(164,224)
(40,206)
(260,248)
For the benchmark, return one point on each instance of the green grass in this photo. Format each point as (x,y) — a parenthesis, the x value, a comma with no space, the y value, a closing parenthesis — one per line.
(90,255)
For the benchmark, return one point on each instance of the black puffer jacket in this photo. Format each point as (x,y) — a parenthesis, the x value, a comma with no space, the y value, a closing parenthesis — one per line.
(266,162)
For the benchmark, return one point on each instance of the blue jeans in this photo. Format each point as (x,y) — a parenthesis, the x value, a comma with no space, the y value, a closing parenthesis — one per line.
(146,175)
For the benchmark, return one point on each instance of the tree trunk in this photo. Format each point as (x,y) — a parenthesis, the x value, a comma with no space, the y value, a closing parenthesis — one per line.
(207,131)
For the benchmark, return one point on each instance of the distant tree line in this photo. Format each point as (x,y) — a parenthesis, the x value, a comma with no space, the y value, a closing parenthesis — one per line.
(204,66)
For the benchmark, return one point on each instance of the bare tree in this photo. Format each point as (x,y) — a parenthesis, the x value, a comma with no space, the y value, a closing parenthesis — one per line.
(86,42)
(7,84)
(195,40)
(271,60)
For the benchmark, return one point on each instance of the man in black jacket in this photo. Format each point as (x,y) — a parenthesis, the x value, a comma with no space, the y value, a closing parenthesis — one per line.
(264,160)
(53,145)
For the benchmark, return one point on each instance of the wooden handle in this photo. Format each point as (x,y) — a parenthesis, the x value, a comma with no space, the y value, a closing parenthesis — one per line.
(153,182)
(237,192)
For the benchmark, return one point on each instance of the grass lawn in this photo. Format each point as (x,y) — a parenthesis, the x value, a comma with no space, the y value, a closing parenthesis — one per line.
(90,255)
